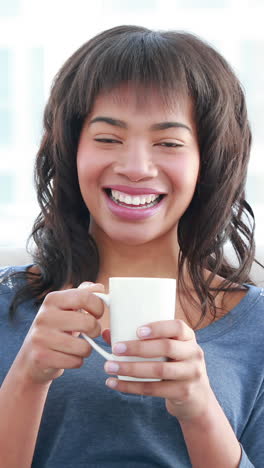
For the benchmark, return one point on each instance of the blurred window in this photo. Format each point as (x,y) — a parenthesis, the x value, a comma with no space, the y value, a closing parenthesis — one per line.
(5,97)
(36,90)
(128,5)
(9,7)
(7,183)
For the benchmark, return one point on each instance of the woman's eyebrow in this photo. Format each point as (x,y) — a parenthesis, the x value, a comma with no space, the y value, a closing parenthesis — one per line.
(154,127)
(165,125)
(110,121)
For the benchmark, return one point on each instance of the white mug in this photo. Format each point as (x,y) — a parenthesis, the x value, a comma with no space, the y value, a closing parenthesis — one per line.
(134,302)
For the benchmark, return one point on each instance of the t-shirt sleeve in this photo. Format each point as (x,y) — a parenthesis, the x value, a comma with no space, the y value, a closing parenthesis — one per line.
(252,439)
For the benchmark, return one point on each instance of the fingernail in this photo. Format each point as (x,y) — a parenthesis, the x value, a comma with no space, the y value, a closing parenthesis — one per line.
(112,383)
(144,331)
(119,348)
(111,366)
(84,285)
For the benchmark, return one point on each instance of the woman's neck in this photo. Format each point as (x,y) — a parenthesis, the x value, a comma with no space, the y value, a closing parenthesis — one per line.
(156,259)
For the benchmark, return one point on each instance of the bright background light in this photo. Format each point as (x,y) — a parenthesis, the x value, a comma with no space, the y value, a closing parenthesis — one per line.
(37,36)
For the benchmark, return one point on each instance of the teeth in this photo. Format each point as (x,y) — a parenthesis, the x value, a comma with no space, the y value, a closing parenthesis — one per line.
(130,200)
(149,198)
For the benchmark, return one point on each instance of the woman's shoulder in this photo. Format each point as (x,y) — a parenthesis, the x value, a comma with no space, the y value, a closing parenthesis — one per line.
(243,299)
(250,309)
(11,277)
(254,300)
(244,318)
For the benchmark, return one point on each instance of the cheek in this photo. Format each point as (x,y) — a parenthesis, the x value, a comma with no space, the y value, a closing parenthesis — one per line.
(88,166)
(183,175)
(85,169)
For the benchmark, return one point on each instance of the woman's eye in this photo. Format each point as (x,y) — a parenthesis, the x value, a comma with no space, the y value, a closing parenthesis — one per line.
(107,140)
(170,144)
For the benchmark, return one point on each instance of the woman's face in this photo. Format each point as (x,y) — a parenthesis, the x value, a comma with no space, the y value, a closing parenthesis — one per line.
(138,165)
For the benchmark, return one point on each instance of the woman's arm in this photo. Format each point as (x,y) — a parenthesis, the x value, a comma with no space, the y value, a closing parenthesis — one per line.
(210,439)
(21,406)
(49,347)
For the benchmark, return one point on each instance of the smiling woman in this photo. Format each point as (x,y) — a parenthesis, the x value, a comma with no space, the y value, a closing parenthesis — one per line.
(138,150)
(141,173)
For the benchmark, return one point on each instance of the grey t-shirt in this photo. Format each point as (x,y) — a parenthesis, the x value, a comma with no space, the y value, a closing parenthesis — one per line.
(86,424)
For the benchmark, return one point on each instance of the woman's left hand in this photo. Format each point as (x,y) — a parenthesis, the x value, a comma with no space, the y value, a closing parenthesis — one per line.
(184,385)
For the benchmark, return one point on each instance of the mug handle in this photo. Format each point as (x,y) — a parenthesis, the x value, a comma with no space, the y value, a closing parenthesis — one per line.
(106,299)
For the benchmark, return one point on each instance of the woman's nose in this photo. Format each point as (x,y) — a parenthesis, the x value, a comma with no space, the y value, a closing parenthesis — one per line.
(136,164)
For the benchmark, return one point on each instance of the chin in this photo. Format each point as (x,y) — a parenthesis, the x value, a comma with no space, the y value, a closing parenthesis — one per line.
(131,238)
(131,241)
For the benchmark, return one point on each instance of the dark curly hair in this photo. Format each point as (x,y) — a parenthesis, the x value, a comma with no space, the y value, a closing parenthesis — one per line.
(172,62)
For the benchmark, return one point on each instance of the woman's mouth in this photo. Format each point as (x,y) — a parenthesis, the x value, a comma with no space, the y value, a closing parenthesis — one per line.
(133,207)
(135,202)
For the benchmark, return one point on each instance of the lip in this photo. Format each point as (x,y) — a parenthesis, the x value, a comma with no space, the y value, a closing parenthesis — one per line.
(134,190)
(132,214)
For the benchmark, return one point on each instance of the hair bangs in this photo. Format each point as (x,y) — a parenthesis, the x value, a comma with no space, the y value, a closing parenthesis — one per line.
(147,61)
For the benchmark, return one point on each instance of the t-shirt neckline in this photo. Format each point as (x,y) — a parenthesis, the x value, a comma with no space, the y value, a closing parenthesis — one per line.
(224,324)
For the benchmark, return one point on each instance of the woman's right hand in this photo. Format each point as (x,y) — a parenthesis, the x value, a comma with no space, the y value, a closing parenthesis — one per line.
(53,343)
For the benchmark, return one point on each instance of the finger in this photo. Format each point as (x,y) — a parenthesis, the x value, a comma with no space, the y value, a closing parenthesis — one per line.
(84,284)
(107,335)
(77,298)
(68,321)
(88,284)
(170,390)
(167,347)
(176,329)
(68,344)
(75,333)
(176,371)
(50,359)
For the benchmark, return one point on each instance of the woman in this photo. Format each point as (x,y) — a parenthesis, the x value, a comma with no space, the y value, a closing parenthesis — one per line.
(141,172)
